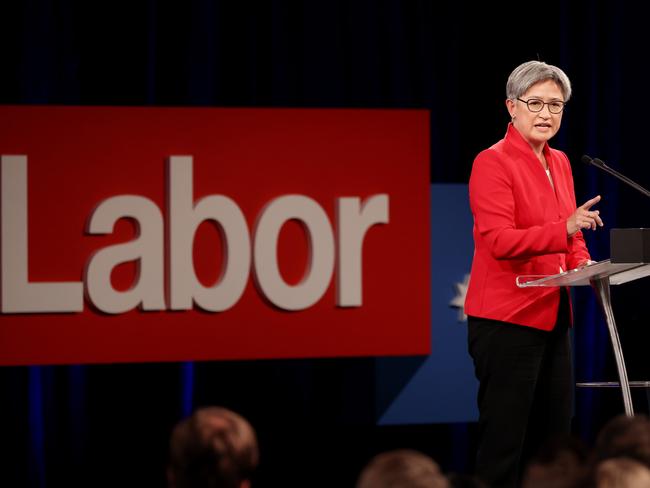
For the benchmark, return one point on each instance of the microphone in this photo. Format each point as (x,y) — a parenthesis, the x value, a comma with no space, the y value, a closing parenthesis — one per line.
(601,165)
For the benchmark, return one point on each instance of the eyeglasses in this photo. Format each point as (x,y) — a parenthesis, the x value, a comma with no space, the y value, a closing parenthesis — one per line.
(537,105)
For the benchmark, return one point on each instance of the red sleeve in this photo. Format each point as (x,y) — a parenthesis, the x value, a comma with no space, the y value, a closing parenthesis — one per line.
(493,205)
(578,253)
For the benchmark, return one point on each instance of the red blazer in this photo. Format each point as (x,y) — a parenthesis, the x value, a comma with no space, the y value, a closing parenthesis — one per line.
(520,229)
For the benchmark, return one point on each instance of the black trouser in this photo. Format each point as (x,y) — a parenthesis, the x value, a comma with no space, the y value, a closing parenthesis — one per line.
(525,393)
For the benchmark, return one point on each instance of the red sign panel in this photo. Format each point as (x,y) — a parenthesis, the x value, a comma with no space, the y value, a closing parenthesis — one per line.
(166,234)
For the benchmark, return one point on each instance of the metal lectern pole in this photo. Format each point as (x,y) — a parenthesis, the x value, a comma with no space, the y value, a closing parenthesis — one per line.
(601,287)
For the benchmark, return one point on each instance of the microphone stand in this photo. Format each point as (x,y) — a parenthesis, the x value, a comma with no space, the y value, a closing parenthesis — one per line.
(601,164)
(626,246)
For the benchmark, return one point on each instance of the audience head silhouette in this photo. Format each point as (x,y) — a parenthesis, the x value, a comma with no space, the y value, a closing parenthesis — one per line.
(401,469)
(213,448)
(622,473)
(625,437)
(562,462)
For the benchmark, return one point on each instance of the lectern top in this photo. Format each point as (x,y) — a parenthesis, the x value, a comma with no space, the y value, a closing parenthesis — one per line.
(618,273)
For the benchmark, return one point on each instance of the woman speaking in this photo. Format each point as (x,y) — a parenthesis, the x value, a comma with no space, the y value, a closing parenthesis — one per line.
(525,223)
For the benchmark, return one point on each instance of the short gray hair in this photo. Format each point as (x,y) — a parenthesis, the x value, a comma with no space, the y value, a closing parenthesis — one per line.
(527,74)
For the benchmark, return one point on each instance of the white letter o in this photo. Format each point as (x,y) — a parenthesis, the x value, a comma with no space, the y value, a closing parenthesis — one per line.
(320,264)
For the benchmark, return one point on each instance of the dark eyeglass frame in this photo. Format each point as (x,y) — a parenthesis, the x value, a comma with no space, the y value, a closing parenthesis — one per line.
(527,102)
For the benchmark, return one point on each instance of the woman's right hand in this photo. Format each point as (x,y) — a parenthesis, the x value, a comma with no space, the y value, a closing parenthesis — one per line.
(583,218)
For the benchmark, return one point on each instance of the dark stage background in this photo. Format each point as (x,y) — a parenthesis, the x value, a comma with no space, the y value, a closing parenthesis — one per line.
(108,425)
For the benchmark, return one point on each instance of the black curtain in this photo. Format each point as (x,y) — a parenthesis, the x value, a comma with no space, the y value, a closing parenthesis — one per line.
(108,425)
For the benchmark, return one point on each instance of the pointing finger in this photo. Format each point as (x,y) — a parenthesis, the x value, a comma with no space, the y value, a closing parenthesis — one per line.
(589,203)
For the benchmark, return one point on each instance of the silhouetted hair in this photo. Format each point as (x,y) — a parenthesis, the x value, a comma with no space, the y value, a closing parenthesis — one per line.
(624,436)
(402,468)
(213,448)
(622,473)
(562,462)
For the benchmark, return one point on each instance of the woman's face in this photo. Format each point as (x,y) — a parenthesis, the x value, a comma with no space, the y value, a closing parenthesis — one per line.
(537,127)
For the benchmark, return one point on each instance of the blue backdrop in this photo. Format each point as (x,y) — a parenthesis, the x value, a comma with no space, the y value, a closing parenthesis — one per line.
(441,387)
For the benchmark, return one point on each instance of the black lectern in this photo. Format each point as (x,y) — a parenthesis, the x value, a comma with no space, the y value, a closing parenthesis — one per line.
(630,260)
